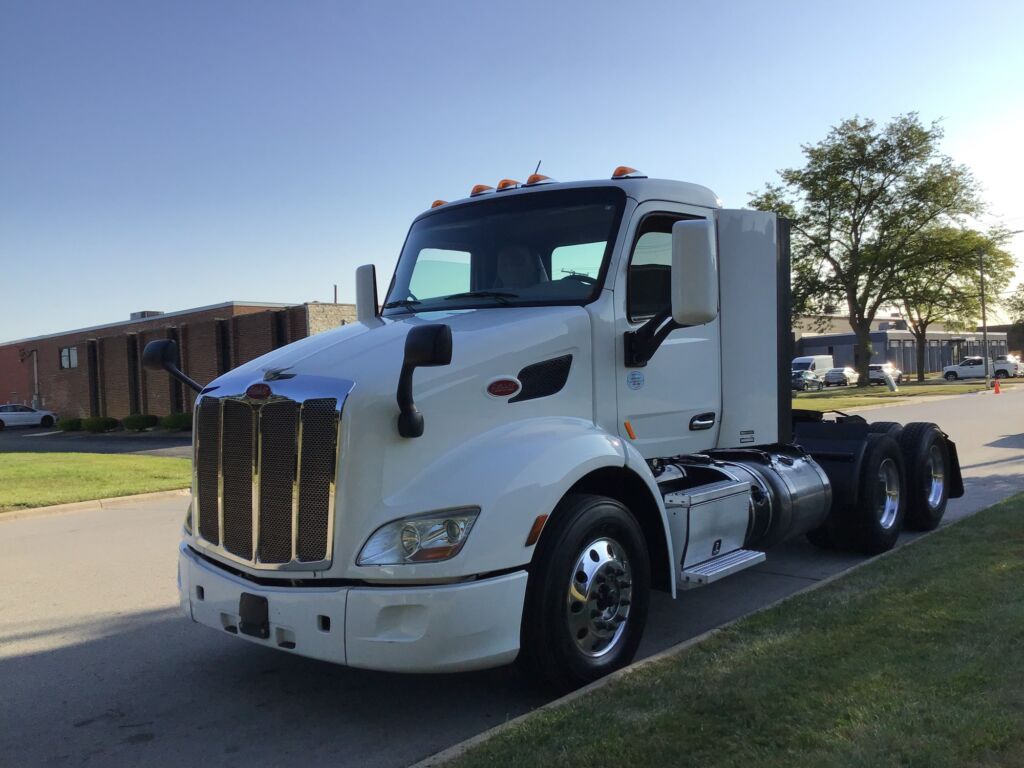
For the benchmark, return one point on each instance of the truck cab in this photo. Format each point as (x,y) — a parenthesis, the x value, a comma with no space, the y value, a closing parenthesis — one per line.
(545,418)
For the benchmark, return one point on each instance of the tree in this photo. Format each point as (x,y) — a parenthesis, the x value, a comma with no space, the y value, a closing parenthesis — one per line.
(862,197)
(942,280)
(1014,305)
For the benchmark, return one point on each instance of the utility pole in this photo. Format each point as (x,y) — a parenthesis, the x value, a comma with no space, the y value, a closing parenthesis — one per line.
(984,322)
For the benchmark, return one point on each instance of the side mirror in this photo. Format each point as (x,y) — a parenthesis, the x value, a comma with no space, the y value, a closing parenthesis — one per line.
(694,272)
(162,355)
(426,345)
(366,293)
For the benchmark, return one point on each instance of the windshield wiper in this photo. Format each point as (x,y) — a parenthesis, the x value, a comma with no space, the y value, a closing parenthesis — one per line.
(401,303)
(501,296)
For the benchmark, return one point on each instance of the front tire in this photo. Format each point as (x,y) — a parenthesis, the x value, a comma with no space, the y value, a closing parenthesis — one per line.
(588,594)
(950,376)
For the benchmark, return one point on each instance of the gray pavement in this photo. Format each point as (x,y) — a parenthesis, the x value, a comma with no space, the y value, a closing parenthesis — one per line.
(40,440)
(98,668)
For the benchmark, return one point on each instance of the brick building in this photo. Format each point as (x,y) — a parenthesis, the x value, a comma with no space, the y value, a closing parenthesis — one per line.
(97,371)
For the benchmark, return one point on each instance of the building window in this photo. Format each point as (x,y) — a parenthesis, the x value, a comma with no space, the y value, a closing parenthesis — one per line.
(69,357)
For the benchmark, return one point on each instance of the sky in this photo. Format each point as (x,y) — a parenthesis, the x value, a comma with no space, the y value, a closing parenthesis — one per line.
(167,155)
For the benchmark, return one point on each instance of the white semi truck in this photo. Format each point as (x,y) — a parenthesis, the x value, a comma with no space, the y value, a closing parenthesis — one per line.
(572,394)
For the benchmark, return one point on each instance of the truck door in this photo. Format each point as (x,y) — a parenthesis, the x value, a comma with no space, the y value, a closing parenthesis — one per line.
(673,403)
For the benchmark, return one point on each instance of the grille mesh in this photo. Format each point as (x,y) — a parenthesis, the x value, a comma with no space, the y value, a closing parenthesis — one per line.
(207,460)
(232,438)
(316,471)
(543,378)
(278,426)
(236,466)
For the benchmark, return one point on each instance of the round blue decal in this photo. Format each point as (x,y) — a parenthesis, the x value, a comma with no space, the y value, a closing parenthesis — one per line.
(635,380)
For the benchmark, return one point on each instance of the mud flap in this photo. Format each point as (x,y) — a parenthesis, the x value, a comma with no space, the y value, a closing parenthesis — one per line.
(956,480)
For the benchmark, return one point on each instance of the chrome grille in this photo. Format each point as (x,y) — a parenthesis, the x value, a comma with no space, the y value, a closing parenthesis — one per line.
(264,479)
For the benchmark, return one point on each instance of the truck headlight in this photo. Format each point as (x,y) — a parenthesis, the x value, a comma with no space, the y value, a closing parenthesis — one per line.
(419,539)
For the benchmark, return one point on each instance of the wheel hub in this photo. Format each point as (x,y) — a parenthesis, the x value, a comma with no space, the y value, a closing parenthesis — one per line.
(935,480)
(888,499)
(599,597)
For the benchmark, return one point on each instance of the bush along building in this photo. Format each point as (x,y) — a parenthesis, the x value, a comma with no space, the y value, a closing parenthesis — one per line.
(97,371)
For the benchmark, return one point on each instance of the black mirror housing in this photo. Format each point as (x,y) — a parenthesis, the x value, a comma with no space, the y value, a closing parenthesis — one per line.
(426,345)
(162,355)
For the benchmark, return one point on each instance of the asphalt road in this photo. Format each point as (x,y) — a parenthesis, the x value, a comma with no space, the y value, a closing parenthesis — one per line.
(97,667)
(39,440)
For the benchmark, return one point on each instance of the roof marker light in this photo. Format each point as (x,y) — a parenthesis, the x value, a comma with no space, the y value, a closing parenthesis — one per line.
(480,189)
(507,184)
(539,178)
(625,172)
(438,203)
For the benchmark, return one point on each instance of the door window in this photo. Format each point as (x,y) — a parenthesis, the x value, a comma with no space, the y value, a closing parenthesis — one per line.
(648,282)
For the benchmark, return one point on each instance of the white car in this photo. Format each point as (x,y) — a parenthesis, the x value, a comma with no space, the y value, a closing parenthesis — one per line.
(12,415)
(974,368)
(877,371)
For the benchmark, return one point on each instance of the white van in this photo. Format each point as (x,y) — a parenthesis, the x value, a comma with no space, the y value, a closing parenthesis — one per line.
(820,364)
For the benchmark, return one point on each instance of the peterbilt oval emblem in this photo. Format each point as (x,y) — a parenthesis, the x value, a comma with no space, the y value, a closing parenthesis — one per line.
(503,387)
(258,391)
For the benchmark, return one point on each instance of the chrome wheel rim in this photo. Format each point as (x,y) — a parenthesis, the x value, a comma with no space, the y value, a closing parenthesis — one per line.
(600,594)
(936,477)
(888,500)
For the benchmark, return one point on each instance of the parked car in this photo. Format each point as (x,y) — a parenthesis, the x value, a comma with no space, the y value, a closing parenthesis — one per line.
(1011,359)
(974,368)
(877,371)
(806,381)
(12,415)
(841,377)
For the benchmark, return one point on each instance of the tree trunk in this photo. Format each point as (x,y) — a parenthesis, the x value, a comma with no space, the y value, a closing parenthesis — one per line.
(920,337)
(862,352)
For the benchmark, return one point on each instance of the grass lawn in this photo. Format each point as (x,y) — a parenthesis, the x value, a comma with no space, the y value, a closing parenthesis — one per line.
(841,398)
(914,660)
(40,479)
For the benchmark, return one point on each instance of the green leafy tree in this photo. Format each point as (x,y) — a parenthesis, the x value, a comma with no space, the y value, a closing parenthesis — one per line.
(863,195)
(1014,305)
(942,281)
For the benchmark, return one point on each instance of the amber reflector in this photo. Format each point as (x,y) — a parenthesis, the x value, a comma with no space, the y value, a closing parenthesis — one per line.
(535,529)
(479,189)
(622,171)
(507,184)
(629,430)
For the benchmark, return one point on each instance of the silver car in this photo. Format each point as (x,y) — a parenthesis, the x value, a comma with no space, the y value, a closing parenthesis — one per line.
(841,377)
(13,415)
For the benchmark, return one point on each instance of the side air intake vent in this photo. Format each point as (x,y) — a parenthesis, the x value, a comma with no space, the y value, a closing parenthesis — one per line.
(543,379)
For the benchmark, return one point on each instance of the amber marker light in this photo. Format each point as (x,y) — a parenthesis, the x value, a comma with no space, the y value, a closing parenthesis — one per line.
(625,172)
(480,189)
(535,529)
(629,430)
(507,184)
(538,178)
(438,203)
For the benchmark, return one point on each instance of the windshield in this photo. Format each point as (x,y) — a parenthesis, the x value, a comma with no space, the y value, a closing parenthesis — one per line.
(801,365)
(523,250)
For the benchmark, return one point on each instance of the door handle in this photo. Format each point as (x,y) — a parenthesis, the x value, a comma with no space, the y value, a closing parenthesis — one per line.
(702,421)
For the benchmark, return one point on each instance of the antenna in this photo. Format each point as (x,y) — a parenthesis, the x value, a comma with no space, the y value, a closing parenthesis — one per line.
(537,169)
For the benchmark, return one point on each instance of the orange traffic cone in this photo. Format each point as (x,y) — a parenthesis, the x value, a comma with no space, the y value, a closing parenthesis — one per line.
(997,387)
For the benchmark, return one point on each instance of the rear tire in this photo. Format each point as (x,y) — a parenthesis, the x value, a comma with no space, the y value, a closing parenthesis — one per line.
(872,525)
(891,428)
(1000,374)
(588,594)
(927,461)
(46,422)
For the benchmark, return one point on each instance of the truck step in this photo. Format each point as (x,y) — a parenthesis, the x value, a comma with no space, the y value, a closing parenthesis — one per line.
(719,567)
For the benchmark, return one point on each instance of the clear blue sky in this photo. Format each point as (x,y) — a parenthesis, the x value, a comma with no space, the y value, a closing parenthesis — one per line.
(164,155)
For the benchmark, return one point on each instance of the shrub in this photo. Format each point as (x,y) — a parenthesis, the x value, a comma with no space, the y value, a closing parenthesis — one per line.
(139,421)
(177,422)
(99,424)
(69,424)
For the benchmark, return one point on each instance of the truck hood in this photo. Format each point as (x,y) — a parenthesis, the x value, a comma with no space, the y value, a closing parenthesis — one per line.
(485,343)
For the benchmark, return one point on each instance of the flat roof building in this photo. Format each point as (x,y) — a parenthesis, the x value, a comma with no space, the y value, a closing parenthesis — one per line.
(97,371)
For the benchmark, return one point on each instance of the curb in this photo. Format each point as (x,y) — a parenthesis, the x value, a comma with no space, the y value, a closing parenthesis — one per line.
(457,750)
(81,506)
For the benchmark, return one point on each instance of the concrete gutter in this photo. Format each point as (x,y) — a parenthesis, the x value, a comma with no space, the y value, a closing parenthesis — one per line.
(79,506)
(457,750)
